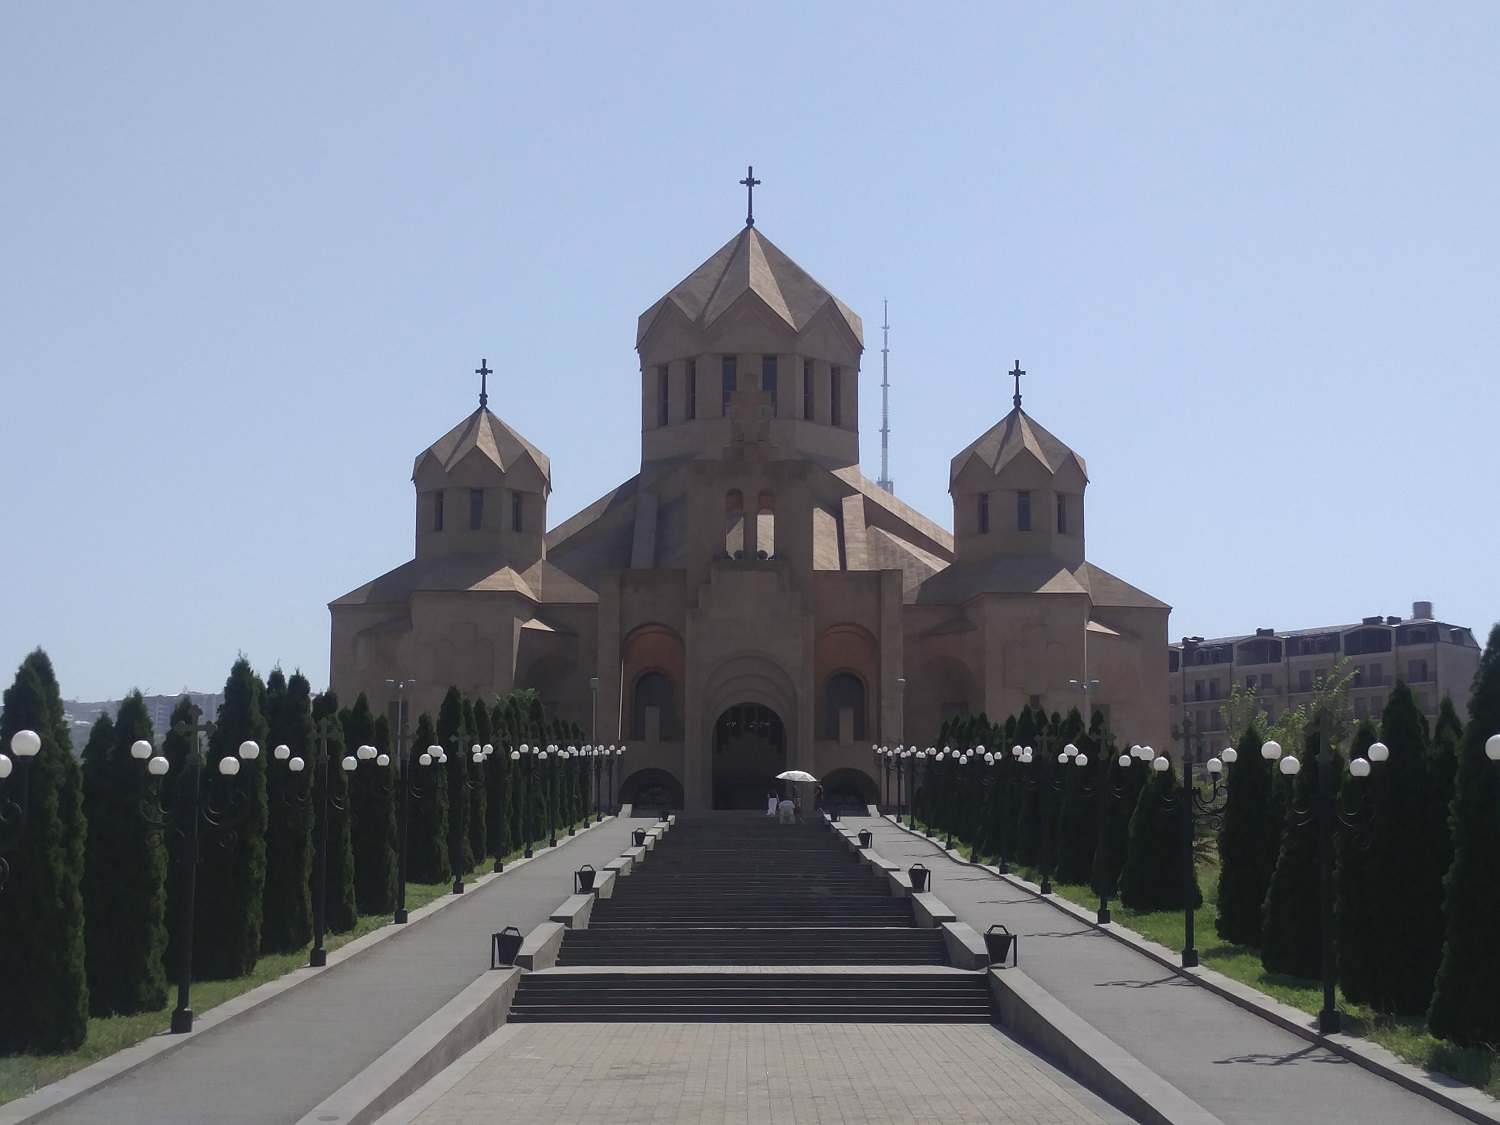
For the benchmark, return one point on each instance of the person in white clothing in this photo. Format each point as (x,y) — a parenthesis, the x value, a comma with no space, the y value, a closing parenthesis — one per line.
(771,803)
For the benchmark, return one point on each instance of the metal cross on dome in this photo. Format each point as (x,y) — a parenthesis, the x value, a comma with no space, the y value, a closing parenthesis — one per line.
(750,183)
(1017,373)
(484,373)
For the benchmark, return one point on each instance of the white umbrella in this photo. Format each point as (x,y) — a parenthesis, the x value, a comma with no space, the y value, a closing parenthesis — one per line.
(795,775)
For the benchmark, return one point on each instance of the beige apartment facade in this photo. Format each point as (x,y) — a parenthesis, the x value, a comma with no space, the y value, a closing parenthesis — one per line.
(749,601)
(1435,658)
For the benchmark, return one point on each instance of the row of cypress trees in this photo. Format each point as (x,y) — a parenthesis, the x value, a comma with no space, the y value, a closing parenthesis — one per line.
(1417,914)
(89,908)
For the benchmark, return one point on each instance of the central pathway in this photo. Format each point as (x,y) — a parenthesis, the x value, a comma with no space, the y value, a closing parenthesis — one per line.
(1238,1066)
(752,972)
(278,1061)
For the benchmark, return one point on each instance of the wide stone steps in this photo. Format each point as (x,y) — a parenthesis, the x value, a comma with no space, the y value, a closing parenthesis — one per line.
(937,996)
(736,946)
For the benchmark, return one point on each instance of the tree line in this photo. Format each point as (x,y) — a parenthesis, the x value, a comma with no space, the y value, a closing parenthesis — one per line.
(1417,910)
(89,912)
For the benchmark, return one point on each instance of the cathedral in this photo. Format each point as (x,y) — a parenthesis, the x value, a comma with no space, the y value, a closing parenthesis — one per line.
(750,602)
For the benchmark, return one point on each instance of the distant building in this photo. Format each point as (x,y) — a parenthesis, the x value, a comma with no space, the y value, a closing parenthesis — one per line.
(82,715)
(1436,659)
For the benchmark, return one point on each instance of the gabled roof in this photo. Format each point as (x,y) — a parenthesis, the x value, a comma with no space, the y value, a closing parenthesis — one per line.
(749,262)
(484,431)
(1005,441)
(541,583)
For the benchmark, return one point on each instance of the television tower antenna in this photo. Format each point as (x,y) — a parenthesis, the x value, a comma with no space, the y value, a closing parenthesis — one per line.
(885,401)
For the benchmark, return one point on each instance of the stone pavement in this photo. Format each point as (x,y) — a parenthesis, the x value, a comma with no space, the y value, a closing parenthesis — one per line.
(1239,1067)
(812,1074)
(281,1059)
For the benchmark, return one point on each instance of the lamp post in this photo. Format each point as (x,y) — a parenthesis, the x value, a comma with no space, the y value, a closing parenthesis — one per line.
(570,777)
(1491,751)
(521,754)
(194,806)
(1032,782)
(24,745)
(1106,789)
(1194,808)
(405,782)
(322,798)
(593,746)
(550,756)
(615,753)
(1329,818)
(460,788)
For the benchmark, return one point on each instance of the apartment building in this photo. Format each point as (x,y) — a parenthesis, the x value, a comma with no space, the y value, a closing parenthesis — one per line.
(1434,657)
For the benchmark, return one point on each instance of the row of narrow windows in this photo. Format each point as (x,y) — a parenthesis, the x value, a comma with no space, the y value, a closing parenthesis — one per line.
(1023,512)
(769,384)
(476,510)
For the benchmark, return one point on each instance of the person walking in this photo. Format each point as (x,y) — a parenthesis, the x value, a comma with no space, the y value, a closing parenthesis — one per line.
(771,803)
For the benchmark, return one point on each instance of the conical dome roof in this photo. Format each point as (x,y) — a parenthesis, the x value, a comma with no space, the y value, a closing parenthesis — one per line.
(750,262)
(486,432)
(1014,434)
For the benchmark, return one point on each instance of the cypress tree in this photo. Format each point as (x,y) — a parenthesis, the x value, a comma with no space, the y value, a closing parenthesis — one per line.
(1248,842)
(124,872)
(1466,1000)
(44,996)
(232,866)
(287,924)
(452,736)
(339,910)
(1391,961)
(1291,937)
(477,719)
(1078,811)
(1152,876)
(174,748)
(427,846)
(1447,736)
(1359,883)
(1029,730)
(497,783)
(373,805)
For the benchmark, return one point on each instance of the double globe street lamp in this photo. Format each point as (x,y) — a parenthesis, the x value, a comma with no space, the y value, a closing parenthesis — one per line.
(219,809)
(1329,818)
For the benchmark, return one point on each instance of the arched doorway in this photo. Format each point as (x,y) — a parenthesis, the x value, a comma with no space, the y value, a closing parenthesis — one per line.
(749,751)
(849,792)
(651,790)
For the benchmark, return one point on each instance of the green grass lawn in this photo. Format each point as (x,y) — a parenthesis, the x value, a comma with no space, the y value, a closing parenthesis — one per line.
(22,1074)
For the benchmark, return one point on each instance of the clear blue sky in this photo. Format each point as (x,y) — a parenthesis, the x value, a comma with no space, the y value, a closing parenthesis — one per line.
(250,254)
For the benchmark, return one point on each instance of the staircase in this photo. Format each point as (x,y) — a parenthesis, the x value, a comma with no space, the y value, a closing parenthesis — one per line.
(754,920)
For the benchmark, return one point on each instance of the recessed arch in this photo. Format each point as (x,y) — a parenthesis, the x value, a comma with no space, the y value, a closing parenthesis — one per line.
(651,790)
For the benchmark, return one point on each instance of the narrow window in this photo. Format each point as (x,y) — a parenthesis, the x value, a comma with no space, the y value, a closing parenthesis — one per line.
(692,389)
(730,378)
(1062,514)
(515,511)
(984,513)
(807,390)
(1023,511)
(835,397)
(663,401)
(476,509)
(437,511)
(768,379)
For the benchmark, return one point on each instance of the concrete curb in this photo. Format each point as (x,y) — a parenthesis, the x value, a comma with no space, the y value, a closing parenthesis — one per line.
(55,1095)
(1056,1033)
(1468,1102)
(446,1035)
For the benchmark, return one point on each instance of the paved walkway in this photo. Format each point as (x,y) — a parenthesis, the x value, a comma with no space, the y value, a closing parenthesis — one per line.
(812,1074)
(1239,1067)
(281,1059)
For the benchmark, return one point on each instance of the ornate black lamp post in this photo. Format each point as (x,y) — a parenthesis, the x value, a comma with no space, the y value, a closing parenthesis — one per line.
(24,745)
(615,753)
(549,755)
(1195,808)
(409,784)
(570,777)
(465,785)
(1031,781)
(1329,818)
(321,797)
(1106,788)
(523,754)
(1491,751)
(219,813)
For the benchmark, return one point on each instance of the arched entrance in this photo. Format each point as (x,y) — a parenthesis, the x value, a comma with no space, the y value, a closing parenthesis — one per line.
(749,751)
(651,790)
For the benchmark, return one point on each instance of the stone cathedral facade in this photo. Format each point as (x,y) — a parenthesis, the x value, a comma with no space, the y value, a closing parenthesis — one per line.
(750,601)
